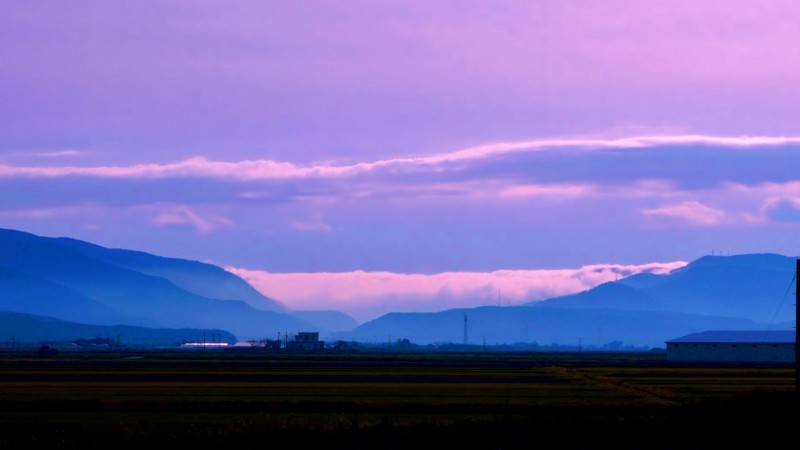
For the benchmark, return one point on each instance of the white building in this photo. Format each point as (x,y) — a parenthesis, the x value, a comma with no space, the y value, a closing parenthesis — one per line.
(734,346)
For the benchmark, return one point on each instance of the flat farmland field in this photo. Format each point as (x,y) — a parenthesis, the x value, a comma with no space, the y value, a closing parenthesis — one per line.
(246,399)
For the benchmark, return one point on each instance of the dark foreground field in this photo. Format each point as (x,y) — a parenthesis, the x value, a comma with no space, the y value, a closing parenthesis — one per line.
(221,399)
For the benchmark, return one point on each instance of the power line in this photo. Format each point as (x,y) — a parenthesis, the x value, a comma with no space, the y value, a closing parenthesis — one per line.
(772,322)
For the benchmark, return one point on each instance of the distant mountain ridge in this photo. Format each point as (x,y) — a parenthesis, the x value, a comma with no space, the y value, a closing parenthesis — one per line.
(196,277)
(79,281)
(741,292)
(752,286)
(34,329)
(517,324)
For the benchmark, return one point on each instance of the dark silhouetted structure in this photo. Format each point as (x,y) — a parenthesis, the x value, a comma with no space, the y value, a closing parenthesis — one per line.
(734,346)
(45,351)
(305,340)
(466,335)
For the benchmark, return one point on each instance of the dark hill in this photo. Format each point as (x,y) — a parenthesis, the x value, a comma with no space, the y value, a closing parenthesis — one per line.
(505,325)
(193,276)
(751,286)
(34,329)
(71,279)
(743,292)
(607,295)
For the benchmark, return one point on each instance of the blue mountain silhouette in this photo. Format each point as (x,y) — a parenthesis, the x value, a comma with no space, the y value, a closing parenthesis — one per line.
(742,292)
(79,281)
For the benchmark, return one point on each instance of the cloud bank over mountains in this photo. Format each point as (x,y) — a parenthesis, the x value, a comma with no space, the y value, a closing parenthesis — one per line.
(367,295)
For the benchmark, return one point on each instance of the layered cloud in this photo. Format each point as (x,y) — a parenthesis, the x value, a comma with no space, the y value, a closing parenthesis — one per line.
(181,215)
(575,168)
(441,138)
(690,211)
(513,204)
(265,169)
(366,295)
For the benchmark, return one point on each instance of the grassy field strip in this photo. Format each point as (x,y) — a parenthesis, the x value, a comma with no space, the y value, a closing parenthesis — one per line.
(214,400)
(387,380)
(432,385)
(387,393)
(657,395)
(693,384)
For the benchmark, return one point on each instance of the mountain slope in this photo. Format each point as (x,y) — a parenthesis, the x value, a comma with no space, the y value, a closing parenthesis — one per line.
(544,325)
(751,286)
(126,296)
(196,277)
(28,294)
(327,321)
(607,295)
(744,292)
(29,328)
(736,286)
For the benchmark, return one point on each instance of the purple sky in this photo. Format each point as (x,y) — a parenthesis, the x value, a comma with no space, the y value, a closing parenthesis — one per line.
(334,139)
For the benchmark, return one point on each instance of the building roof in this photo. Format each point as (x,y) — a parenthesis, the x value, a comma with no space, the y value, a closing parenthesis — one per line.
(734,337)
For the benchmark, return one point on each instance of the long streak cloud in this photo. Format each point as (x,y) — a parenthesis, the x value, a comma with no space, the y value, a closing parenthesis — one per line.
(270,169)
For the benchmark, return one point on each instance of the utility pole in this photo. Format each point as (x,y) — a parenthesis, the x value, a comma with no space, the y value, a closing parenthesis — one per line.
(796,329)
(466,336)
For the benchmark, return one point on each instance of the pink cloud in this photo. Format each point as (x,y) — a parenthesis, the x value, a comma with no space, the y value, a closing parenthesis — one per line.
(550,190)
(484,189)
(183,215)
(689,211)
(366,295)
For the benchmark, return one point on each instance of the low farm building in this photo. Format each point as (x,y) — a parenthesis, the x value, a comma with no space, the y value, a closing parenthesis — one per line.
(734,346)
(305,340)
